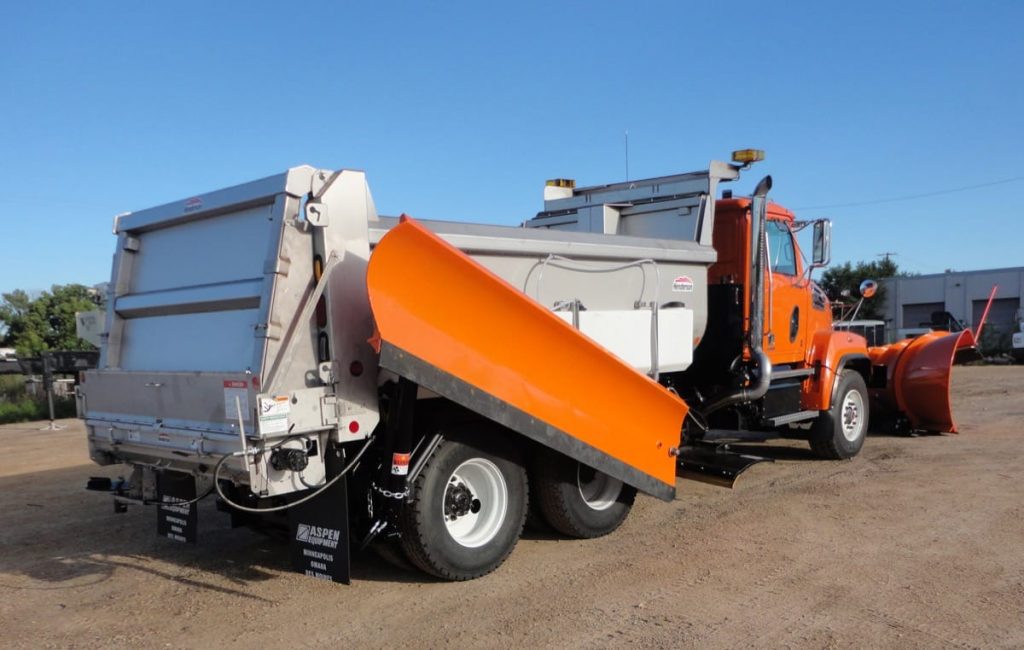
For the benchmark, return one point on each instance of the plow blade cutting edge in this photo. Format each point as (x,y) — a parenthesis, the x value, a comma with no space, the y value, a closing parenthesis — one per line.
(458,330)
(917,376)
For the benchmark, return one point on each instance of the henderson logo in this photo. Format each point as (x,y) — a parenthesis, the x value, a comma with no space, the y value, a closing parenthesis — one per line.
(683,283)
(317,535)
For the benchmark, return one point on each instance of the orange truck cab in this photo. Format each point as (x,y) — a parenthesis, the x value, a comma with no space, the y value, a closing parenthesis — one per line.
(813,379)
(799,333)
(771,363)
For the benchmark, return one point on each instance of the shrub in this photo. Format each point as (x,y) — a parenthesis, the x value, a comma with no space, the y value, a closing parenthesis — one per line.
(27,409)
(20,411)
(12,388)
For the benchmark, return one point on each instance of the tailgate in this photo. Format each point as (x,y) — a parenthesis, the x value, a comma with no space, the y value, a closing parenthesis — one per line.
(193,289)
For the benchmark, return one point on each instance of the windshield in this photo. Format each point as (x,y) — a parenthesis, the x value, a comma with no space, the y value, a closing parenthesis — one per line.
(780,248)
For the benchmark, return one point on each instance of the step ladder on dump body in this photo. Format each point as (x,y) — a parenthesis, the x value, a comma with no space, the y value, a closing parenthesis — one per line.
(214,335)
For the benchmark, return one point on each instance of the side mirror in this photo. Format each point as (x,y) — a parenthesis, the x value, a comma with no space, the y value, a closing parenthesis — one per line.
(822,254)
(868,288)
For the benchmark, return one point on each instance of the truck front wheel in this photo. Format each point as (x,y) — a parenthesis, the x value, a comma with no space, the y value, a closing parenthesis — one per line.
(579,501)
(467,507)
(840,431)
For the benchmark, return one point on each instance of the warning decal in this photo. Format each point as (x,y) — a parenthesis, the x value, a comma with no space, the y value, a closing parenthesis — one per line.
(400,464)
(236,394)
(274,414)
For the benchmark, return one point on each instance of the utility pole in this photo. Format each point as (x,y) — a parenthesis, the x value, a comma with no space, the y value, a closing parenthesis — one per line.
(887,255)
(48,368)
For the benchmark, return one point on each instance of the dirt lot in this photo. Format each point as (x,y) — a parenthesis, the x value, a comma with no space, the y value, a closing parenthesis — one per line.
(917,542)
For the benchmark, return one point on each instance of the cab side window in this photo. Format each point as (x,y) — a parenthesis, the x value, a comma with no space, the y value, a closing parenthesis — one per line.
(780,248)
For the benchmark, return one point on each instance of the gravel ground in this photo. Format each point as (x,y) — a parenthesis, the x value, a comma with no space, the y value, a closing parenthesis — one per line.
(918,542)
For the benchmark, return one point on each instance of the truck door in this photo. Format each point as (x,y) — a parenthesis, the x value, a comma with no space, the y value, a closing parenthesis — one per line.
(786,302)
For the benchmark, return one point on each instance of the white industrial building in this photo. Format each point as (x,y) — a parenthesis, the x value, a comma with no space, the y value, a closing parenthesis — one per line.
(911,301)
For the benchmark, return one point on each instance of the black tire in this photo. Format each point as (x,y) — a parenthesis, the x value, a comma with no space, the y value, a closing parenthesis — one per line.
(535,520)
(839,432)
(559,485)
(482,532)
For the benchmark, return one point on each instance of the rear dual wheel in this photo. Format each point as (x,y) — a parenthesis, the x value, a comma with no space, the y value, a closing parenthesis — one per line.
(468,507)
(577,500)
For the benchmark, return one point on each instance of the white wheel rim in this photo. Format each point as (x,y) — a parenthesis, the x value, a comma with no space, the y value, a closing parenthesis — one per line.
(475,525)
(598,490)
(851,415)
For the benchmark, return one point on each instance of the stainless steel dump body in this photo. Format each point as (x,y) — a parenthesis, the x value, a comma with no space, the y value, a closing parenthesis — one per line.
(243,312)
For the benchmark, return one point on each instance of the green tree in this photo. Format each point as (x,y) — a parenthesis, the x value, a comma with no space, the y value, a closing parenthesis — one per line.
(46,322)
(846,278)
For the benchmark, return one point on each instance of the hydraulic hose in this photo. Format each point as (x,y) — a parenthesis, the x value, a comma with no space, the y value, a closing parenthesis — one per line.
(308,497)
(747,393)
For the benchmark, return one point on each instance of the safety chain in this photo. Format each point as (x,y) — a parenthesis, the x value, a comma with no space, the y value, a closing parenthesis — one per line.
(388,494)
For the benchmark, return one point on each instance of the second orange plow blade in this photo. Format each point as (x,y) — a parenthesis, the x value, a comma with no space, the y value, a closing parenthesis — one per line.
(918,373)
(456,329)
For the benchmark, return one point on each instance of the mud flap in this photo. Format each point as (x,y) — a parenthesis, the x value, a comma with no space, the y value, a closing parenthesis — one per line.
(455,328)
(318,529)
(175,518)
(917,377)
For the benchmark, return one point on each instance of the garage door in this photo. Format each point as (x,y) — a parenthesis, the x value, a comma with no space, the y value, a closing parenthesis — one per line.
(1002,318)
(920,314)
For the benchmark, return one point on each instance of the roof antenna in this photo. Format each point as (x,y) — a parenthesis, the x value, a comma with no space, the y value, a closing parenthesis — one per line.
(627,155)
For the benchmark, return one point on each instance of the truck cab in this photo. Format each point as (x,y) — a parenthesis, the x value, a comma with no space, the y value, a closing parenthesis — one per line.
(795,307)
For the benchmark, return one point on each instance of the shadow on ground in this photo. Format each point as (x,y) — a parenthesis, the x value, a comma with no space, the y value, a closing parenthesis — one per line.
(56,535)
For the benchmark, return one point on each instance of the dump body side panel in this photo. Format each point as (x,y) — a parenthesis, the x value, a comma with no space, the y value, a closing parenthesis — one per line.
(601,273)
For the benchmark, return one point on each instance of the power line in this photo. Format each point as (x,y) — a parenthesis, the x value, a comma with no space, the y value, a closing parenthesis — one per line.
(911,197)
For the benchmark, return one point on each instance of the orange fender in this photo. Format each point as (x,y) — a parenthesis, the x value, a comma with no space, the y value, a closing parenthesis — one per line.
(918,373)
(829,351)
(457,329)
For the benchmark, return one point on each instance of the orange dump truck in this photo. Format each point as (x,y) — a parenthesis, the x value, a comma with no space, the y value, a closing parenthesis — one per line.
(420,387)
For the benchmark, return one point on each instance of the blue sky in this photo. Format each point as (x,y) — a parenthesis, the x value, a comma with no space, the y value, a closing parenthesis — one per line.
(461,110)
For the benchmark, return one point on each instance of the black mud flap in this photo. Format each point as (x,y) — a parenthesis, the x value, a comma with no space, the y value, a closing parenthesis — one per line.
(714,463)
(174,519)
(319,535)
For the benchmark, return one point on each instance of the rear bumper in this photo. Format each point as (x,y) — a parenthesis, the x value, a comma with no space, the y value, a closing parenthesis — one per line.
(185,450)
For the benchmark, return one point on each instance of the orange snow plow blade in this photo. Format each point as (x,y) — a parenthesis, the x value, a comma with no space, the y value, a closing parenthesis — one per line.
(917,376)
(456,329)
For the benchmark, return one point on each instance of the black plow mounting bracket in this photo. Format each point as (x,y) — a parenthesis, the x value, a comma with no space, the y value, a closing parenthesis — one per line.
(714,463)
